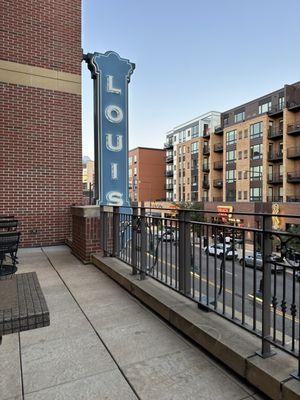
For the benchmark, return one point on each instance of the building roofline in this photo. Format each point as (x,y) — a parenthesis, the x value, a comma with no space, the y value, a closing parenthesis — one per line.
(202,116)
(146,148)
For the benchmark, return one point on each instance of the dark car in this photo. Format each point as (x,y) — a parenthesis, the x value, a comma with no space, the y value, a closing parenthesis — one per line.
(250,262)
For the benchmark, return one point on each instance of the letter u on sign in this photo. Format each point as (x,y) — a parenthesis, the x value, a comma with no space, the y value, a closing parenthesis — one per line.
(109,142)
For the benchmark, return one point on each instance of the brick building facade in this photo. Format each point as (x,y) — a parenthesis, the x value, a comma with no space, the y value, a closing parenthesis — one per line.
(40,119)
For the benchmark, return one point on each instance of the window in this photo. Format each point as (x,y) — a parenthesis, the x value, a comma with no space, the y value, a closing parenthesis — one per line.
(239,116)
(230,156)
(135,171)
(240,155)
(130,160)
(194,147)
(281,103)
(256,152)
(240,195)
(240,135)
(255,194)
(230,176)
(245,174)
(256,130)
(245,153)
(195,131)
(245,195)
(240,175)
(245,133)
(256,173)
(265,107)
(231,137)
(225,120)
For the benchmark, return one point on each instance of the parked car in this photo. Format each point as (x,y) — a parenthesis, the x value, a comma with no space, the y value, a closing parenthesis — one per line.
(219,250)
(249,262)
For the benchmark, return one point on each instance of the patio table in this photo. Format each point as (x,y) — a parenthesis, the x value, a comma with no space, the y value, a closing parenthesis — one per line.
(22,304)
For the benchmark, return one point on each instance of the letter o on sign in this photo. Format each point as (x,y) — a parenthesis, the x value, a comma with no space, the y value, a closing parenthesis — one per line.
(114,114)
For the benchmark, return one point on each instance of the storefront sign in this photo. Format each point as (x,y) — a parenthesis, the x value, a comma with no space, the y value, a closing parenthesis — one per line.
(225,211)
(111,75)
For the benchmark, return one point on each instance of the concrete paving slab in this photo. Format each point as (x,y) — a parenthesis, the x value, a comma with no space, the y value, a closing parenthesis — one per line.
(109,385)
(63,360)
(10,373)
(182,375)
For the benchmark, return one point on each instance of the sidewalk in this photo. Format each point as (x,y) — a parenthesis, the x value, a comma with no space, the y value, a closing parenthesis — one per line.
(103,344)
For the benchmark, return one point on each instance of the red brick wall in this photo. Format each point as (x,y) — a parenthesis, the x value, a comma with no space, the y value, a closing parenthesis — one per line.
(44,33)
(40,166)
(40,138)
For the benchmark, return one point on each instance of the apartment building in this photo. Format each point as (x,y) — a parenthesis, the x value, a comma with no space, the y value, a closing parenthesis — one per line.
(250,153)
(146,174)
(88,173)
(187,158)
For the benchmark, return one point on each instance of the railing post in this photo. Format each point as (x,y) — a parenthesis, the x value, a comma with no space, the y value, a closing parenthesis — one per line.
(116,231)
(184,252)
(102,230)
(135,219)
(143,244)
(266,287)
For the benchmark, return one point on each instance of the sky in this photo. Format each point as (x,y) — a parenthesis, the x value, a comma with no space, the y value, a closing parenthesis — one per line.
(191,57)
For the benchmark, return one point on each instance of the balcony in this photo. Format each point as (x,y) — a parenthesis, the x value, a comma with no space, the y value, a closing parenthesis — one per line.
(206,134)
(218,148)
(275,156)
(276,111)
(169,186)
(293,106)
(206,150)
(218,165)
(293,152)
(293,199)
(168,145)
(275,199)
(219,130)
(218,199)
(218,183)
(275,178)
(205,184)
(293,177)
(169,173)
(169,159)
(205,168)
(275,132)
(293,129)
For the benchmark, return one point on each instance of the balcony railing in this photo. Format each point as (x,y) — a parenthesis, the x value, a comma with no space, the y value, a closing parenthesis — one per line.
(218,147)
(293,129)
(168,145)
(219,130)
(293,199)
(218,199)
(205,184)
(169,159)
(190,256)
(206,150)
(275,132)
(276,110)
(293,106)
(275,199)
(206,134)
(293,152)
(293,177)
(275,178)
(275,156)
(169,186)
(169,173)
(205,167)
(218,183)
(218,165)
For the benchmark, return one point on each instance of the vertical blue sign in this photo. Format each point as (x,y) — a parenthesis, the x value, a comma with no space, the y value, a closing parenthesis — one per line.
(111,75)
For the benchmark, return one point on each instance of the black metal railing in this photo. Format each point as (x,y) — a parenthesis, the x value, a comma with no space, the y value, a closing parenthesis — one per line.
(219,130)
(169,173)
(277,109)
(168,145)
(248,275)
(169,186)
(218,165)
(293,199)
(205,167)
(218,147)
(275,178)
(275,132)
(293,152)
(293,129)
(206,150)
(275,155)
(218,183)
(169,159)
(275,198)
(293,177)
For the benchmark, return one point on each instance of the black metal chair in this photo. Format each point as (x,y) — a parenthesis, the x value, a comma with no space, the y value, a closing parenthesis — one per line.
(9,243)
(8,224)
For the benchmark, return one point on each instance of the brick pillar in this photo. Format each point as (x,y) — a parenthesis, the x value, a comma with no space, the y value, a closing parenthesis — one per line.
(85,231)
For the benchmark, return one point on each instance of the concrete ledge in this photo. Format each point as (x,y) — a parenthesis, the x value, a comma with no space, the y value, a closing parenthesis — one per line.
(86,211)
(231,344)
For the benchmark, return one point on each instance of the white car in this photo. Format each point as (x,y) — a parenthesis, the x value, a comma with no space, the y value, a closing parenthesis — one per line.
(218,249)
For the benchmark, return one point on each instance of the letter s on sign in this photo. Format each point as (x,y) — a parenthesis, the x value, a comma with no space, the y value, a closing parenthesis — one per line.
(114,198)
(114,114)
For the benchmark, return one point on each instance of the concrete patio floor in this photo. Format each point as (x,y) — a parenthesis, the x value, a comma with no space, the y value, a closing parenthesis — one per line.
(104,344)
